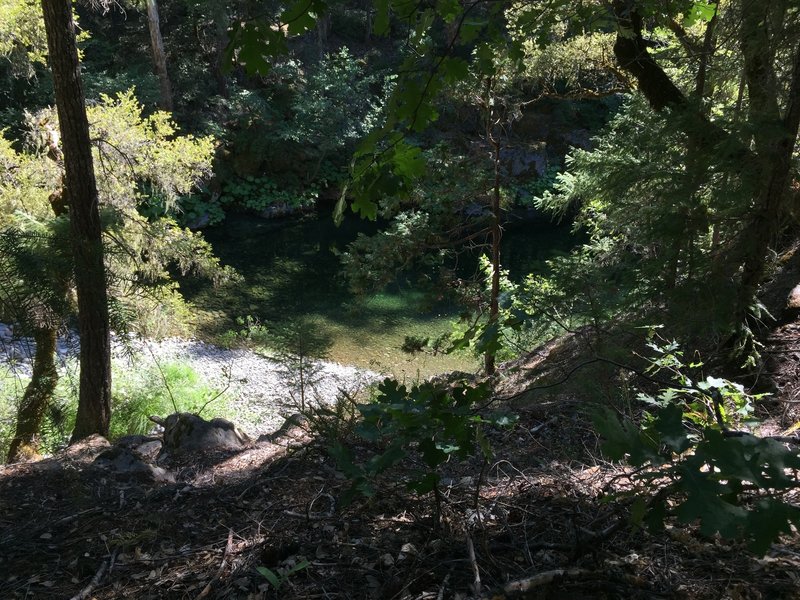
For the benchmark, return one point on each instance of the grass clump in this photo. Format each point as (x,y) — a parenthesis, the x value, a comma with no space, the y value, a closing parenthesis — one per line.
(137,393)
(11,388)
(161,389)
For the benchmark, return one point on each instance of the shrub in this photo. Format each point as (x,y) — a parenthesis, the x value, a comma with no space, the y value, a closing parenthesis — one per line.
(260,193)
(424,426)
(690,465)
(11,389)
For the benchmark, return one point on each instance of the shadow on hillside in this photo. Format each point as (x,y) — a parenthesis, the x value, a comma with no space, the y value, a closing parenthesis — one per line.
(538,511)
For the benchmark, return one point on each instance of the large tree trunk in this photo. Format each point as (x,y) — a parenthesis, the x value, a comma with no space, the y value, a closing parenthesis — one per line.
(767,167)
(221,23)
(775,137)
(94,403)
(323,30)
(159,56)
(37,396)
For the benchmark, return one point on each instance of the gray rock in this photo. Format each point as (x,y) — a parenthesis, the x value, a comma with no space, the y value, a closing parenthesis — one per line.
(145,447)
(792,310)
(579,138)
(187,431)
(199,222)
(124,463)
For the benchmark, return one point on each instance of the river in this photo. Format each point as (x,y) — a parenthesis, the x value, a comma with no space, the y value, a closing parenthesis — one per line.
(291,275)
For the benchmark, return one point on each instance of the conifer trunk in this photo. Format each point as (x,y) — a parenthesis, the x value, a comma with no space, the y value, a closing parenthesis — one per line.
(37,396)
(94,402)
(775,137)
(159,56)
(221,23)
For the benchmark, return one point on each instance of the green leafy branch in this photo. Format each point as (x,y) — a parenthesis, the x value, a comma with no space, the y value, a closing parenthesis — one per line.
(732,482)
(426,426)
(277,578)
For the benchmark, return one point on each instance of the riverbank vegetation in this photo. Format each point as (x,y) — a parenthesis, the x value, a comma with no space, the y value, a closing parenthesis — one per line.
(511,210)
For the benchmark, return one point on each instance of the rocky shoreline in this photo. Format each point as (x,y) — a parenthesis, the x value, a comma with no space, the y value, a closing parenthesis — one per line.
(259,392)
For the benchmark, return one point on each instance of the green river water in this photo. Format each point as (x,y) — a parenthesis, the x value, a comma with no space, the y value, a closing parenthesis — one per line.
(291,275)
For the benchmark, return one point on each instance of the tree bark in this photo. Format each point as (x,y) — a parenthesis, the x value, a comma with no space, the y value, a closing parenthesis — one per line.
(774,138)
(768,166)
(36,397)
(709,47)
(631,52)
(323,29)
(159,56)
(496,230)
(369,19)
(221,23)
(94,402)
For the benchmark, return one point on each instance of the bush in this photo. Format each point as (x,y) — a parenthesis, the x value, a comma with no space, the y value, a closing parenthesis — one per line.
(196,207)
(59,418)
(421,428)
(688,463)
(335,104)
(11,388)
(260,193)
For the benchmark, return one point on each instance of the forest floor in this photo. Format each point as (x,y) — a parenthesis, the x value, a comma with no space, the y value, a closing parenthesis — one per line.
(241,524)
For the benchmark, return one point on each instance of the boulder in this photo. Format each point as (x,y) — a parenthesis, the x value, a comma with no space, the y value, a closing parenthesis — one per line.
(143,446)
(199,222)
(187,431)
(86,449)
(530,160)
(124,463)
(792,310)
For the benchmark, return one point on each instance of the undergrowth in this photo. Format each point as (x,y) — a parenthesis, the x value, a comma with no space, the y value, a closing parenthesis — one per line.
(137,392)
(160,390)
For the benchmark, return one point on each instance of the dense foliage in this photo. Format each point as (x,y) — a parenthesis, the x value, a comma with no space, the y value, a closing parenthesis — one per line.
(665,132)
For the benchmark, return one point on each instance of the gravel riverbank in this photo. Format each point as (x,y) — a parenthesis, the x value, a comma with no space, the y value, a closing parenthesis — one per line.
(258,387)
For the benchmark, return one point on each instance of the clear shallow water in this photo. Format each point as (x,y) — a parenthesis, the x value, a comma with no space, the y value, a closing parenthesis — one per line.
(291,275)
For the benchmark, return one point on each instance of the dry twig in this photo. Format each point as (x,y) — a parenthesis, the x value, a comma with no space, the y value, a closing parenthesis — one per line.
(98,577)
(523,586)
(210,585)
(476,584)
